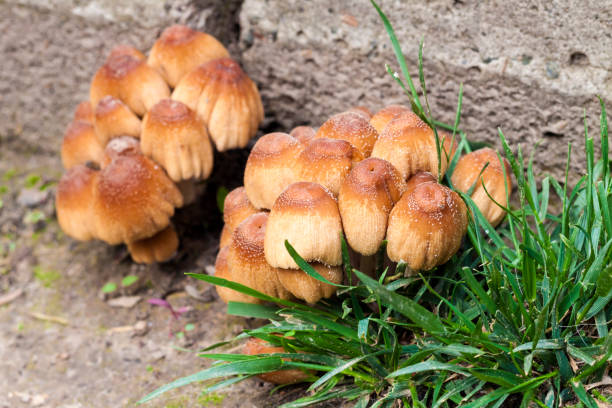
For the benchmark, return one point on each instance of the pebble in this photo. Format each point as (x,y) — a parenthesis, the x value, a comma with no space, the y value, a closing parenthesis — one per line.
(127,302)
(32,197)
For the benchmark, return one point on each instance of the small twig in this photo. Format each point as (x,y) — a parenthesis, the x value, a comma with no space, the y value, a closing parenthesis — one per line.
(9,297)
(48,318)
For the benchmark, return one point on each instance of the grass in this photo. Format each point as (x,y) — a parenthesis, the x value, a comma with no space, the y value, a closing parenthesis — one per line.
(519,317)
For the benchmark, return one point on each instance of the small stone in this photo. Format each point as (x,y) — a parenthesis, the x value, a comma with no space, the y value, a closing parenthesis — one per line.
(206,296)
(140,328)
(63,356)
(552,70)
(127,302)
(32,197)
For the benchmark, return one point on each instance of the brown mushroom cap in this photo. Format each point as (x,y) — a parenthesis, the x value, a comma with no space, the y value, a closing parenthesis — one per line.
(305,287)
(133,199)
(225,98)
(222,270)
(303,134)
(270,168)
(306,214)
(426,226)
(362,110)
(226,236)
(174,137)
(381,119)
(158,248)
(247,261)
(120,146)
(128,78)
(352,127)
(113,119)
(366,198)
(84,112)
(73,202)
(80,145)
(237,208)
(180,50)
(327,162)
(125,49)
(466,172)
(255,346)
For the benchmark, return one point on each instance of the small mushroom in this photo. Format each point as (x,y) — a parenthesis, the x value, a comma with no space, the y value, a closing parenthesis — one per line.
(305,214)
(80,145)
(426,225)
(466,173)
(303,134)
(353,127)
(270,168)
(73,202)
(255,346)
(180,50)
(113,118)
(225,99)
(158,248)
(366,198)
(84,112)
(120,146)
(307,288)
(173,136)
(326,162)
(128,78)
(222,270)
(381,119)
(236,208)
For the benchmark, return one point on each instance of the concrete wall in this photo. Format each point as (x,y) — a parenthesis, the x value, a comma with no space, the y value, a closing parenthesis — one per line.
(527,67)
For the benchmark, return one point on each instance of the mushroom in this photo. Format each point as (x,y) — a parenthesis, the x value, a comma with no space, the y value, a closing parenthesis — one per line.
(270,168)
(180,50)
(84,112)
(426,225)
(236,208)
(222,270)
(246,260)
(120,146)
(113,118)
(128,78)
(352,127)
(80,145)
(382,118)
(255,346)
(366,198)
(466,174)
(73,202)
(362,110)
(303,286)
(173,136)
(303,134)
(410,145)
(158,248)
(305,214)
(225,99)
(327,162)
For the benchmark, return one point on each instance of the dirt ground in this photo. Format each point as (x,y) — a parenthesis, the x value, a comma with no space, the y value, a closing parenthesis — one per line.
(63,344)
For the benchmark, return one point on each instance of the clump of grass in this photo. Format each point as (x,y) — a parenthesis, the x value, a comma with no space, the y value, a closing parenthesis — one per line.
(519,317)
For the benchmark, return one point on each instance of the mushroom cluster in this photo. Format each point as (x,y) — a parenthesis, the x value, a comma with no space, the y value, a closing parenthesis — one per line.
(369,177)
(135,149)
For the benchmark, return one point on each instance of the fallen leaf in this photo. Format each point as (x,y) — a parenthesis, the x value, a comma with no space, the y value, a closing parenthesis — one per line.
(127,302)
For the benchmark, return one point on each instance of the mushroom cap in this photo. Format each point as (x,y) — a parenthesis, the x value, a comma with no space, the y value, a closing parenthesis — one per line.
(128,78)
(180,49)
(133,199)
(305,214)
(225,98)
(73,202)
(255,346)
(84,112)
(362,110)
(223,270)
(381,119)
(120,146)
(125,49)
(80,145)
(327,162)
(247,261)
(303,134)
(113,118)
(307,288)
(226,236)
(410,145)
(270,168)
(237,208)
(173,136)
(158,248)
(366,198)
(466,172)
(426,225)
(352,127)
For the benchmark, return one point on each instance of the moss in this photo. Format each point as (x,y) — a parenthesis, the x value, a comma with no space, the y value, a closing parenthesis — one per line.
(212,398)
(46,277)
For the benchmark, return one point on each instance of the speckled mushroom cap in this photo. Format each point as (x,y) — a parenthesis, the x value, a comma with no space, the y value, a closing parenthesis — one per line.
(133,199)
(466,172)
(247,261)
(237,208)
(120,146)
(124,49)
(255,346)
(180,49)
(112,118)
(158,248)
(362,110)
(84,112)
(352,127)
(426,225)
(225,99)
(222,270)
(176,138)
(129,79)
(307,288)
(80,145)
(303,134)
(410,145)
(366,198)
(270,168)
(305,214)
(73,201)
(381,119)
(327,162)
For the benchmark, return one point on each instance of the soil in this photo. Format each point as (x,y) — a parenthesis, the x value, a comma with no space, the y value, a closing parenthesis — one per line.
(62,344)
